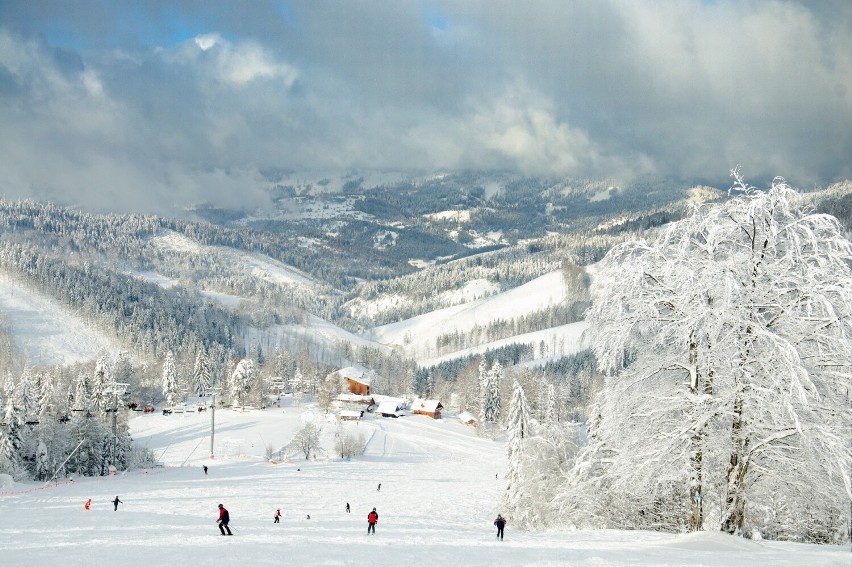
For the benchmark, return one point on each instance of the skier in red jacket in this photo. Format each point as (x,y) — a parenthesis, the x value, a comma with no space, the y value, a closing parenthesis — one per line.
(223,520)
(372,520)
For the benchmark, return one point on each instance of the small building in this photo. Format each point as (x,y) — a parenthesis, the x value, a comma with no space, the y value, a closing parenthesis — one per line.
(355,402)
(468,418)
(357,380)
(432,408)
(391,408)
(349,415)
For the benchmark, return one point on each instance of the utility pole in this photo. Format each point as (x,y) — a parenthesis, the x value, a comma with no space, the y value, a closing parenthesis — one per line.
(212,421)
(114,424)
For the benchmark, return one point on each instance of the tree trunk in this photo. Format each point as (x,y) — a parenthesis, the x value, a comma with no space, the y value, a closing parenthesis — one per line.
(696,454)
(734,514)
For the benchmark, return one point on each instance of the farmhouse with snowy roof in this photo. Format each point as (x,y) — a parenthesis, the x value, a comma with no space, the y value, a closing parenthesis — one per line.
(391,407)
(357,379)
(432,408)
(355,401)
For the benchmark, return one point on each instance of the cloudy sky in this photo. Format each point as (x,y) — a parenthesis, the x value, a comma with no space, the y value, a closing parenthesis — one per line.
(124,104)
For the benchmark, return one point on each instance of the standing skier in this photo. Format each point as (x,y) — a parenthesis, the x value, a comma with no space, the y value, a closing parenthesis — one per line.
(116,502)
(347,507)
(500,522)
(277,515)
(223,520)
(379,488)
(372,520)
(88,504)
(205,468)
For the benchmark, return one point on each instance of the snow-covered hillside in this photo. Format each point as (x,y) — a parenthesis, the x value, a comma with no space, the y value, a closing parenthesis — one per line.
(437,502)
(257,265)
(47,332)
(51,334)
(418,335)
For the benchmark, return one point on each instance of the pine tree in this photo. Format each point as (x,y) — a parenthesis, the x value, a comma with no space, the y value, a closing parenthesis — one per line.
(100,395)
(242,380)
(170,383)
(519,428)
(81,393)
(201,374)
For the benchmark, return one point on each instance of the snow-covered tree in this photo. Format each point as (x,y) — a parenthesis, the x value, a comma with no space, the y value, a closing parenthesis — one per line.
(519,428)
(101,386)
(201,374)
(727,344)
(331,387)
(490,392)
(46,391)
(81,393)
(170,380)
(242,380)
(307,439)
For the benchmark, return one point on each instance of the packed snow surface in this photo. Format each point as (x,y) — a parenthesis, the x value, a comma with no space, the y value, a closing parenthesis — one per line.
(437,502)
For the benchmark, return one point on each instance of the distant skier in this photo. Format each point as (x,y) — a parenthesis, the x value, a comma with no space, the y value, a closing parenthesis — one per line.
(277,515)
(372,520)
(116,502)
(500,522)
(347,507)
(223,520)
(205,468)
(88,504)
(379,488)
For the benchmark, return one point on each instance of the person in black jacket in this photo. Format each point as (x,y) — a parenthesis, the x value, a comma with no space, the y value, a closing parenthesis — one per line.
(500,522)
(223,520)
(116,502)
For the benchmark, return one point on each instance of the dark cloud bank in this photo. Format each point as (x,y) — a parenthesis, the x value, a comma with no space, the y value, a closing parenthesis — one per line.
(149,106)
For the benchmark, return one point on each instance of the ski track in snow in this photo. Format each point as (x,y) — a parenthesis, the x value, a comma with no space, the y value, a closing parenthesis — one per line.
(438,499)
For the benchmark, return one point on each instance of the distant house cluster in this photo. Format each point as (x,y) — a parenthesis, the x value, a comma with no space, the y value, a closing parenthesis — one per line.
(359,398)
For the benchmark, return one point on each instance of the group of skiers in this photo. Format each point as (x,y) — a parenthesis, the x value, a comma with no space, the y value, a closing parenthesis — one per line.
(372,518)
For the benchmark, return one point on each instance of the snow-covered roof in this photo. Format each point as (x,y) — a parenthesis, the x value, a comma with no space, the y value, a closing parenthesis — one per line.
(467,417)
(420,404)
(355,398)
(355,374)
(388,406)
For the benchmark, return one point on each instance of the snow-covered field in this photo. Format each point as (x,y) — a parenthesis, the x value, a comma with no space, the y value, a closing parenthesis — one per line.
(438,498)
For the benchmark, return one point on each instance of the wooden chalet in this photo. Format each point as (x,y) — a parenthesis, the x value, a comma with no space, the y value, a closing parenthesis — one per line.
(357,380)
(432,408)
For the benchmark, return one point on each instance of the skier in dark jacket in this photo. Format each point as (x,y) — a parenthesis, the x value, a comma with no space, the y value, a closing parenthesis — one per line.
(372,520)
(277,515)
(116,502)
(347,507)
(500,522)
(223,520)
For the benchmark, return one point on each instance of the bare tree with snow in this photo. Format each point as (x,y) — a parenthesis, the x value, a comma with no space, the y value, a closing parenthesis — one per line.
(727,344)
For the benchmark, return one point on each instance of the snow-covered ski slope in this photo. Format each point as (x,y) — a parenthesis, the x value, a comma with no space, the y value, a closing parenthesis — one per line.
(438,499)
(418,335)
(46,331)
